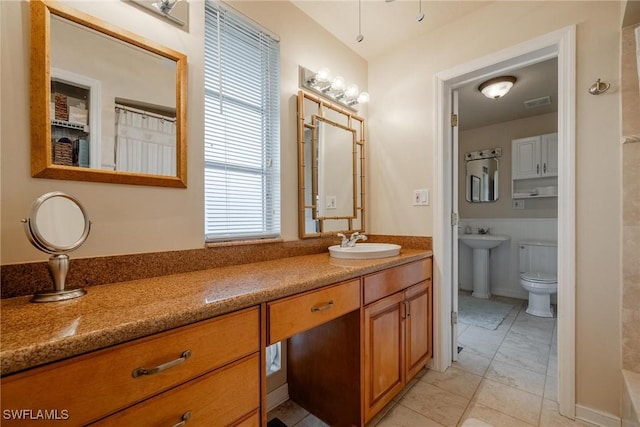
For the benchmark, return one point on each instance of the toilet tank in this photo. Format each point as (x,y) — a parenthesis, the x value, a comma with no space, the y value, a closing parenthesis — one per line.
(538,256)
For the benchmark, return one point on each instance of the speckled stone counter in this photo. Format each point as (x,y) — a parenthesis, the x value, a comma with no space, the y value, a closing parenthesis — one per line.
(35,334)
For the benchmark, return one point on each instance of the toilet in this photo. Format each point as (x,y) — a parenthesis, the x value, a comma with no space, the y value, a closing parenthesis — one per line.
(538,275)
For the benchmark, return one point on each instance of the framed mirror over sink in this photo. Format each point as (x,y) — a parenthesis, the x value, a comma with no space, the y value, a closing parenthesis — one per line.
(331,145)
(107,105)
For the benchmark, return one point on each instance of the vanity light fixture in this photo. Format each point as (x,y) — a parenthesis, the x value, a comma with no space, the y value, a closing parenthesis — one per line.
(336,89)
(165,6)
(497,87)
(167,9)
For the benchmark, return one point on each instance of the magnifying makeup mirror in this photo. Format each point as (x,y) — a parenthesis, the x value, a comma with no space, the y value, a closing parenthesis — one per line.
(57,224)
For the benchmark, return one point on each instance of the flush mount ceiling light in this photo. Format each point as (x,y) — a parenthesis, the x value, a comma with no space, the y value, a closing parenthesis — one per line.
(497,87)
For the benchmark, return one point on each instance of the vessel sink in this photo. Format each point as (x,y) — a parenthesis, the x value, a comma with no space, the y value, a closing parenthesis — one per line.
(365,251)
(483,241)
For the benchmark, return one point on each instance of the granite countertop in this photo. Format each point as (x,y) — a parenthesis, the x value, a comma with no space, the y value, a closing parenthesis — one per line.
(35,334)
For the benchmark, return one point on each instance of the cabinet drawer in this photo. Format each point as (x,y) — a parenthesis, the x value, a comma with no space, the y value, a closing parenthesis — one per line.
(289,316)
(93,385)
(221,398)
(392,280)
(252,420)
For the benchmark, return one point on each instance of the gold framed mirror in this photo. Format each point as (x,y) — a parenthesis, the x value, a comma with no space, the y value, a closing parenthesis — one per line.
(106,105)
(331,144)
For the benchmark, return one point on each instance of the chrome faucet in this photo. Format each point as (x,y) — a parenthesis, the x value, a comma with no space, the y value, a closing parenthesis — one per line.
(354,238)
(484,230)
(351,241)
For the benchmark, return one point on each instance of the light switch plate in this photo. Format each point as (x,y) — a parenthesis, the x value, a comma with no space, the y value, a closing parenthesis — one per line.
(517,204)
(421,197)
(331,202)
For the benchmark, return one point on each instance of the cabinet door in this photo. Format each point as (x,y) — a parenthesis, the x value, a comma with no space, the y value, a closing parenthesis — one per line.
(525,157)
(418,327)
(549,146)
(383,352)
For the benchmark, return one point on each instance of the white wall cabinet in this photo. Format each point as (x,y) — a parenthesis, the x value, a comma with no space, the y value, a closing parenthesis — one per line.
(534,166)
(534,156)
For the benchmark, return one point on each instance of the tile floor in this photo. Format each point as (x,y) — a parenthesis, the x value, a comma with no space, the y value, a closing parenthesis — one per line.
(503,377)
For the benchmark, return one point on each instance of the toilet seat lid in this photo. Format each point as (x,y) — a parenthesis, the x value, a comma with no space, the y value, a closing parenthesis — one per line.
(534,276)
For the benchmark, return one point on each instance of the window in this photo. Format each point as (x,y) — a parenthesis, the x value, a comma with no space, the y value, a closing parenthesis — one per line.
(242,128)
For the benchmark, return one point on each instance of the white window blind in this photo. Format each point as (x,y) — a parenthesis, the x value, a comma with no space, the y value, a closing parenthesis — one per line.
(242,128)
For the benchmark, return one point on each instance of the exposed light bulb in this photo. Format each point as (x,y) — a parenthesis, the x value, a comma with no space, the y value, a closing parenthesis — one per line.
(323,75)
(338,83)
(351,91)
(363,98)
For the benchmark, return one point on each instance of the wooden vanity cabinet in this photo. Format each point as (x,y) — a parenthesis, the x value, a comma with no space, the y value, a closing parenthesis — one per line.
(224,397)
(397,331)
(344,370)
(218,381)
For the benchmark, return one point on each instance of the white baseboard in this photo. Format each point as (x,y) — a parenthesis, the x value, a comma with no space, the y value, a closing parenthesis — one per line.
(511,293)
(598,418)
(277,396)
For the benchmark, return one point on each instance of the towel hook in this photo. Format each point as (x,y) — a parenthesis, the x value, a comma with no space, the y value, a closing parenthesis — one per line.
(599,88)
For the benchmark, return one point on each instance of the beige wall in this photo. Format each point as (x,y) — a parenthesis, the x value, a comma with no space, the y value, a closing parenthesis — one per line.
(129,219)
(500,135)
(401,127)
(132,219)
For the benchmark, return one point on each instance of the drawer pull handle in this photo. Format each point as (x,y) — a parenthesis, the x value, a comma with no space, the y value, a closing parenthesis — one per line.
(185,417)
(327,306)
(142,371)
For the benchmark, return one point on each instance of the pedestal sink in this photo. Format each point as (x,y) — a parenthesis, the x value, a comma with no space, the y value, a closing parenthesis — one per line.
(481,245)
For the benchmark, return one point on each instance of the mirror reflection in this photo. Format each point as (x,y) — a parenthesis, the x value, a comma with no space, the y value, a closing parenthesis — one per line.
(60,222)
(482,180)
(114,112)
(331,164)
(335,154)
(110,102)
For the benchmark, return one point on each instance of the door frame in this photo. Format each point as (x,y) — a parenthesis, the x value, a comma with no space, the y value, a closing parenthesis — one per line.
(560,44)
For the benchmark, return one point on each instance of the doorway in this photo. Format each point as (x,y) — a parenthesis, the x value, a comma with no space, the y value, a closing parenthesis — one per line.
(560,45)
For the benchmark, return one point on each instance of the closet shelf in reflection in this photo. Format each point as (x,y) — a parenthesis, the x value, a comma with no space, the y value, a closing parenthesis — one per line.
(70,125)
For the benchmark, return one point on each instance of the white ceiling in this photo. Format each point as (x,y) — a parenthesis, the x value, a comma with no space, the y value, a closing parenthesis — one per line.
(388,25)
(385,25)
(535,81)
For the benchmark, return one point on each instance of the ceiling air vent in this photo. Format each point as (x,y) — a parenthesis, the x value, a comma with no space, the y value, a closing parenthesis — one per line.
(538,102)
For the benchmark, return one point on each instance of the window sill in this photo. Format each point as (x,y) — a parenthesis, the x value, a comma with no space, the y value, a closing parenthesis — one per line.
(242,242)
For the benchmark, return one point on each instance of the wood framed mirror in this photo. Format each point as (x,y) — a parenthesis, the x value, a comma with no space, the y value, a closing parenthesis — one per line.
(106,105)
(331,144)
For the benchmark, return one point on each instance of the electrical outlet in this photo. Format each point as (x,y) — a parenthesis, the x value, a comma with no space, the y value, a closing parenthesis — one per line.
(331,202)
(420,197)
(517,204)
